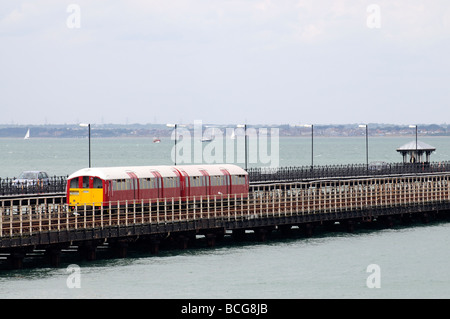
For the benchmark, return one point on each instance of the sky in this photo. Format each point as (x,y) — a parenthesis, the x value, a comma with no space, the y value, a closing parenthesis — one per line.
(224,61)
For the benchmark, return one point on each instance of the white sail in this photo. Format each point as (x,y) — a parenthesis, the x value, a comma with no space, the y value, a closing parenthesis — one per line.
(27,136)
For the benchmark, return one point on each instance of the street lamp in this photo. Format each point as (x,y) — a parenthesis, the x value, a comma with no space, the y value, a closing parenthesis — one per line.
(416,157)
(367,143)
(88,125)
(244,126)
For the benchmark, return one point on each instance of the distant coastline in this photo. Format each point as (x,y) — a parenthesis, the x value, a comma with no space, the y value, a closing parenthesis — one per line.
(161,130)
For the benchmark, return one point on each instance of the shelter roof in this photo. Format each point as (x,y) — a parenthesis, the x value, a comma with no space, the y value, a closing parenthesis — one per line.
(411,146)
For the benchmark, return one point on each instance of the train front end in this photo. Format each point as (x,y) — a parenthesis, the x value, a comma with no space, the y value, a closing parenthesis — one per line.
(84,189)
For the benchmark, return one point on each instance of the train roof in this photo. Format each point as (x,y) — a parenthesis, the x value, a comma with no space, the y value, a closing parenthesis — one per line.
(107,173)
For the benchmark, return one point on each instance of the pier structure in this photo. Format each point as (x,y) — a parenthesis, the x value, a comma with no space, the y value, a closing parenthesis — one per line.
(47,224)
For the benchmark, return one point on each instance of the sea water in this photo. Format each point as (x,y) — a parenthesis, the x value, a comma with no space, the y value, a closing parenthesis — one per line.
(399,262)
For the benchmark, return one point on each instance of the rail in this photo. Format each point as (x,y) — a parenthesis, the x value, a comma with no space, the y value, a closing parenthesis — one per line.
(302,173)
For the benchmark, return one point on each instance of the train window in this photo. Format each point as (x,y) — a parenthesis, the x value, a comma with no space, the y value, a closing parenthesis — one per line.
(129,184)
(74,183)
(146,183)
(119,185)
(97,183)
(85,182)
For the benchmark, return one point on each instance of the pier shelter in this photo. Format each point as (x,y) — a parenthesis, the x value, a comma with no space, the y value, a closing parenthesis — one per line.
(416,152)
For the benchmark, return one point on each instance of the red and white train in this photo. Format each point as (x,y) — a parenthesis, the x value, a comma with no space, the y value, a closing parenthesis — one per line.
(150,184)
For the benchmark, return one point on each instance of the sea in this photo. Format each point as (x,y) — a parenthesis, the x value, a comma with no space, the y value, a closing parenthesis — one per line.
(370,263)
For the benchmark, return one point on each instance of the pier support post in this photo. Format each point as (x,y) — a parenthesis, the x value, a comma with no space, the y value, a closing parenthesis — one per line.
(350,225)
(238,234)
(425,218)
(54,256)
(285,230)
(88,251)
(308,228)
(210,239)
(120,248)
(388,221)
(183,241)
(406,219)
(154,243)
(261,234)
(16,259)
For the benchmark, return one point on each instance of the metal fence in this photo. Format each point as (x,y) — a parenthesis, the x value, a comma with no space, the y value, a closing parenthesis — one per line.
(304,173)
(10,186)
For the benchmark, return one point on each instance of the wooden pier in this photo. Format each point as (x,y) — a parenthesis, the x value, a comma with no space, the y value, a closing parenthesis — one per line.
(48,224)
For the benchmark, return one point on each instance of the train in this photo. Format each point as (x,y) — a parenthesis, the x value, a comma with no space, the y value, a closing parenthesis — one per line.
(106,186)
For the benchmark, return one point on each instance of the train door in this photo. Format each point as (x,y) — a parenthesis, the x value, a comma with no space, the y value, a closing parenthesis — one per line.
(206,182)
(227,181)
(186,187)
(159,184)
(134,184)
(180,184)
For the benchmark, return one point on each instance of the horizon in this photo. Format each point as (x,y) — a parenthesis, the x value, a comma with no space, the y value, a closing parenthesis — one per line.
(5,125)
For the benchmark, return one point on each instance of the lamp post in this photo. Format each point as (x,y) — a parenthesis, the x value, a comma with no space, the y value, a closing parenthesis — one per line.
(367,143)
(175,126)
(244,126)
(416,158)
(88,125)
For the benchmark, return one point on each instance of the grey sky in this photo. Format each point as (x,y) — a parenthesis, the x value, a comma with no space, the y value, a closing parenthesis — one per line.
(225,61)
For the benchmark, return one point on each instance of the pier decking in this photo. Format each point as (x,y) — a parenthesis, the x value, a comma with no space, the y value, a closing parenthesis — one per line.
(47,223)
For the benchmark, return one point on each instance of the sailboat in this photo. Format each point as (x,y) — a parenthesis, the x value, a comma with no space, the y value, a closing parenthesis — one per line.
(233,135)
(208,138)
(156,140)
(27,136)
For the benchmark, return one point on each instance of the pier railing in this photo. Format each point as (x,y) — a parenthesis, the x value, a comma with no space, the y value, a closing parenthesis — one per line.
(324,200)
(11,186)
(301,173)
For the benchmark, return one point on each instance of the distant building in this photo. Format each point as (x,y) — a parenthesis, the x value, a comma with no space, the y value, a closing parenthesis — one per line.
(416,153)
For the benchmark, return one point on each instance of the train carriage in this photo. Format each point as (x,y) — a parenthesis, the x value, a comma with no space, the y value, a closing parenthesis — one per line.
(149,184)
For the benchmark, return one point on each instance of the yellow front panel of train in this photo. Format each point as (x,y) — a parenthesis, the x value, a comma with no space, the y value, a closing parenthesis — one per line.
(88,196)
